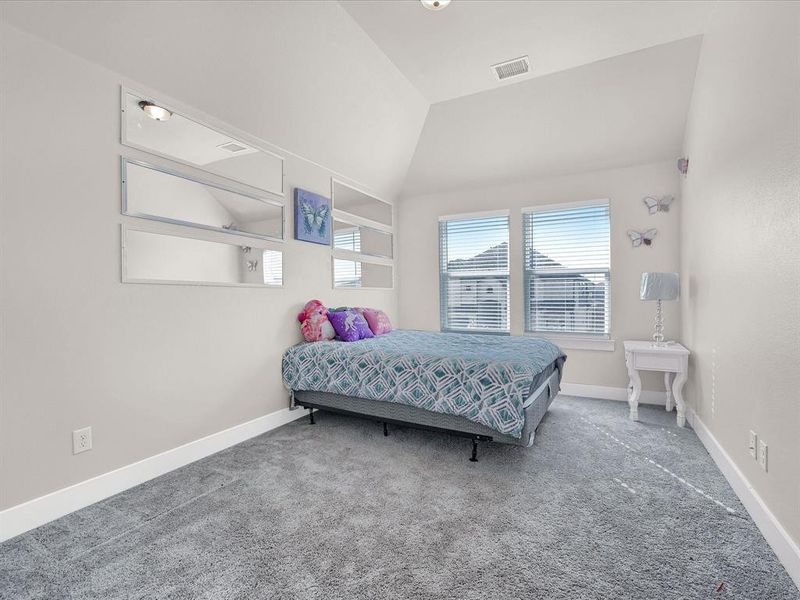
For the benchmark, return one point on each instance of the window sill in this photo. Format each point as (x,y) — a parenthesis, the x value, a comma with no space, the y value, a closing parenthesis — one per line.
(571,342)
(480,331)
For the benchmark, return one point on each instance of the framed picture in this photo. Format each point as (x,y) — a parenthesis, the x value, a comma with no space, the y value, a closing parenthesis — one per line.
(312,217)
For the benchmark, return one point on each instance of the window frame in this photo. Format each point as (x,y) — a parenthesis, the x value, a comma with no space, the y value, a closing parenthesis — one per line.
(575,339)
(444,278)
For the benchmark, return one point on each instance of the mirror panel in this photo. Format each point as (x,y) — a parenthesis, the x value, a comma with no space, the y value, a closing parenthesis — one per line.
(358,238)
(358,203)
(154,193)
(359,274)
(150,257)
(185,140)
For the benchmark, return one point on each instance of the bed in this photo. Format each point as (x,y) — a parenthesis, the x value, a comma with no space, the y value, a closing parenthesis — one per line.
(482,387)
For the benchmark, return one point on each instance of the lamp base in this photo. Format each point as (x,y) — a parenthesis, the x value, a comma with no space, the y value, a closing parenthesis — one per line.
(658,336)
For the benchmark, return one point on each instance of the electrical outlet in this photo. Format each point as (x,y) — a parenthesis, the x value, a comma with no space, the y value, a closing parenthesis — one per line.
(762,454)
(81,440)
(753,447)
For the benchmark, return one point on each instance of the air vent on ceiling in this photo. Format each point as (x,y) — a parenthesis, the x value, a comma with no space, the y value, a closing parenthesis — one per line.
(511,68)
(233,147)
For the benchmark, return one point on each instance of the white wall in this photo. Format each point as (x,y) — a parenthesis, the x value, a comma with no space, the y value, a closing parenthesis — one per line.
(150,367)
(630,318)
(741,243)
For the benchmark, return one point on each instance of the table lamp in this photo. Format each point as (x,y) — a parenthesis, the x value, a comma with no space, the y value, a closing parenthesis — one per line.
(658,287)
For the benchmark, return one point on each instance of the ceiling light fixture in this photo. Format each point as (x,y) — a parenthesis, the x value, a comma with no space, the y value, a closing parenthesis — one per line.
(154,111)
(435,4)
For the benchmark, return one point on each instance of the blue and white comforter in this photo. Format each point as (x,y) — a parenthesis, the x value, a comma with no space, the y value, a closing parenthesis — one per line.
(484,378)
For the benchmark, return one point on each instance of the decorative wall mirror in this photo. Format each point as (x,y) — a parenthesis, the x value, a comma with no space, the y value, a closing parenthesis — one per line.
(348,235)
(150,257)
(355,202)
(159,194)
(149,125)
(353,273)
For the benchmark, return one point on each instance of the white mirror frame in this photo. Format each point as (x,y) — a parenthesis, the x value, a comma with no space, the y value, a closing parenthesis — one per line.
(350,219)
(124,262)
(343,215)
(358,257)
(366,221)
(278,202)
(186,114)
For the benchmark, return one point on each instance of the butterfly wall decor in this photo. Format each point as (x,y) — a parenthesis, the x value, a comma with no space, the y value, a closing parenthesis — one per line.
(642,237)
(252,265)
(655,205)
(312,217)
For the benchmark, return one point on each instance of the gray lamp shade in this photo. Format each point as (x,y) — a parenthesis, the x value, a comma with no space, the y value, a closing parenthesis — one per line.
(660,286)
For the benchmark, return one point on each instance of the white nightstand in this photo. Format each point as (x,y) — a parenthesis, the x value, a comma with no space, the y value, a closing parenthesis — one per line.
(672,359)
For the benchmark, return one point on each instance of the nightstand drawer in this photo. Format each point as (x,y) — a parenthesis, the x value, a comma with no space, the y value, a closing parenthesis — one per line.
(656,362)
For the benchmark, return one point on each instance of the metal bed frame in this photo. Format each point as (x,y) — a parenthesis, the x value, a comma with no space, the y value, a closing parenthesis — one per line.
(392,413)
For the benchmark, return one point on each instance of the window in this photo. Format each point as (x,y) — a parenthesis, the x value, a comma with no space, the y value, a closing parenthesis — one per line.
(348,239)
(567,269)
(474,273)
(346,273)
(273,267)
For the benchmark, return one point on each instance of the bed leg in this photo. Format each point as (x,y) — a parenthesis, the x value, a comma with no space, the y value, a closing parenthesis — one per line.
(311,416)
(385,429)
(474,457)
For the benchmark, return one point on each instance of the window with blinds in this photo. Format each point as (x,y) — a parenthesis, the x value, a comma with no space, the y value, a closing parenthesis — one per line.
(567,269)
(474,274)
(346,273)
(348,239)
(273,267)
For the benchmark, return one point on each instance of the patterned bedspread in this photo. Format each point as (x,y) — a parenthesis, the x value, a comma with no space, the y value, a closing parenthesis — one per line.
(485,378)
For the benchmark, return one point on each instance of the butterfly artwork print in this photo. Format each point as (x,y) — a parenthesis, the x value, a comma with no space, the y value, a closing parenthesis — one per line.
(655,205)
(639,238)
(312,217)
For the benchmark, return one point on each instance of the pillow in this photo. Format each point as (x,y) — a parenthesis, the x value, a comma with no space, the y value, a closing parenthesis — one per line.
(377,320)
(350,326)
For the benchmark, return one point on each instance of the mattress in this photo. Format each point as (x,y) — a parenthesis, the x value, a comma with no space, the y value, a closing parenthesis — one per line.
(484,379)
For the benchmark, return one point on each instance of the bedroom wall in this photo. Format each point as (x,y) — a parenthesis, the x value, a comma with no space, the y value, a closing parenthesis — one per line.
(151,367)
(630,318)
(741,243)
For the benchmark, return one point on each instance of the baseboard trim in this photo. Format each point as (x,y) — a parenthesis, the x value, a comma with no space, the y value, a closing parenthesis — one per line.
(34,513)
(787,551)
(611,393)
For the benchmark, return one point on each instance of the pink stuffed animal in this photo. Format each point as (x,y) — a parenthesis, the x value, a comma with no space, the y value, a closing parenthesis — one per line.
(314,322)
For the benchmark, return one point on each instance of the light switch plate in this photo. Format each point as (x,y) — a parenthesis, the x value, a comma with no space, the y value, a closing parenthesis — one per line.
(753,446)
(762,454)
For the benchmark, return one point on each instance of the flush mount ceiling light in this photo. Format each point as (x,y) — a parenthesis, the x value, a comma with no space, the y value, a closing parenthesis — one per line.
(435,4)
(154,111)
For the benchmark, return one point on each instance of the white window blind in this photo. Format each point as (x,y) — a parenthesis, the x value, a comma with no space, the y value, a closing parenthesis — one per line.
(567,270)
(346,273)
(348,239)
(474,274)
(273,267)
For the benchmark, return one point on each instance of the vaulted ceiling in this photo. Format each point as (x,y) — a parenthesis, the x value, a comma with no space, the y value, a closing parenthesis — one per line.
(349,84)
(626,110)
(446,54)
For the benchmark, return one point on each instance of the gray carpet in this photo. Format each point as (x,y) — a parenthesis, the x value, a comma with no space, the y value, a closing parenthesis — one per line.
(599,507)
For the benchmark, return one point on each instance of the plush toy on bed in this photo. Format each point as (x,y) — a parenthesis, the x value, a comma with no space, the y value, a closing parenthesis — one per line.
(314,322)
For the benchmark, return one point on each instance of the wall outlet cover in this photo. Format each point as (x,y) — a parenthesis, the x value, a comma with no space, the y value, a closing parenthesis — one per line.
(81,440)
(753,445)
(762,454)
